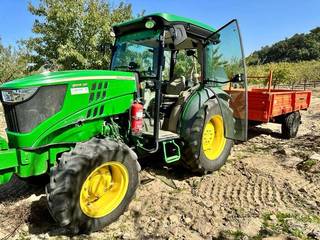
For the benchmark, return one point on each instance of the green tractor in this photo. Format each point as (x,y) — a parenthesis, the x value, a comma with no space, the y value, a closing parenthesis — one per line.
(165,94)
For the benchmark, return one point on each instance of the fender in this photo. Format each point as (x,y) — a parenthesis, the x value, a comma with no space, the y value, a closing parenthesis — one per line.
(196,101)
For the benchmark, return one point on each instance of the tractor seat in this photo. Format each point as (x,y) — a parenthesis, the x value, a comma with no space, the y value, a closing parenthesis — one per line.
(176,86)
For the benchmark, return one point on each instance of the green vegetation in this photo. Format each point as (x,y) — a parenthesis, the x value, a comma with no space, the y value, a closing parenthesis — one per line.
(286,73)
(288,223)
(293,60)
(13,64)
(300,47)
(307,165)
(73,34)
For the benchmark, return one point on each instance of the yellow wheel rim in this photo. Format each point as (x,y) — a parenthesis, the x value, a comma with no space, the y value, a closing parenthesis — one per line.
(213,140)
(104,189)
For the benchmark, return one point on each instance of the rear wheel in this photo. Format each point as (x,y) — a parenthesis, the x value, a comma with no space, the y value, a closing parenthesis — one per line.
(92,185)
(206,148)
(290,125)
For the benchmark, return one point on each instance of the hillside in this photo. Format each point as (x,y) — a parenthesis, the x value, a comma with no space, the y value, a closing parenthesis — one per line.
(300,47)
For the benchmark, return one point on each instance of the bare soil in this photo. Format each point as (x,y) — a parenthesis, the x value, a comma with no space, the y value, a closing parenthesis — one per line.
(269,189)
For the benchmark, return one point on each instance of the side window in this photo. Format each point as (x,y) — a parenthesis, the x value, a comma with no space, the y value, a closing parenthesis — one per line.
(166,70)
(187,66)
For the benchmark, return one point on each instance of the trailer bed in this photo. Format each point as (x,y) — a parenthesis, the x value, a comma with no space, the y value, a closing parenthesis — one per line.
(265,105)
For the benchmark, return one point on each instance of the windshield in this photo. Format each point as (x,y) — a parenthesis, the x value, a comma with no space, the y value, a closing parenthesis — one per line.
(137,52)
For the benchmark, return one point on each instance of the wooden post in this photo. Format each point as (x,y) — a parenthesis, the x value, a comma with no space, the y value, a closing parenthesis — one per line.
(270,81)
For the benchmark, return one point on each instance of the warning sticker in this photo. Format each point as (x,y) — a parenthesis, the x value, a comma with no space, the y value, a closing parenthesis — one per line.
(79,90)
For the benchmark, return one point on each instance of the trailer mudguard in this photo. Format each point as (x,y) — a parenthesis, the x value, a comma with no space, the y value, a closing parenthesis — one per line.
(197,100)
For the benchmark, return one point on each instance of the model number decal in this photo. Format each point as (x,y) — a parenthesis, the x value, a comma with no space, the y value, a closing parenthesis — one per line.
(79,90)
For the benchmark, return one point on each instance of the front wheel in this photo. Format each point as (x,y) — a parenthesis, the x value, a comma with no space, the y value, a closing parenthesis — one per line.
(92,185)
(206,148)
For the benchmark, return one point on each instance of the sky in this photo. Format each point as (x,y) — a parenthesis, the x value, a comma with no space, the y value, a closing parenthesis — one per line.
(261,22)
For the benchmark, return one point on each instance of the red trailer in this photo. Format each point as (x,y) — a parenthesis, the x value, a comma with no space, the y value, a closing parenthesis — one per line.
(276,105)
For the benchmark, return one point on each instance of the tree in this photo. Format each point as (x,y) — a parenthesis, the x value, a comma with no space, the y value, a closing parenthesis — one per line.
(13,64)
(74,33)
(286,73)
(300,47)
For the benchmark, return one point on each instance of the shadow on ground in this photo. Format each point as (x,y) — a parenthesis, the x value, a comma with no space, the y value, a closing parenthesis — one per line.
(257,131)
(18,189)
(40,220)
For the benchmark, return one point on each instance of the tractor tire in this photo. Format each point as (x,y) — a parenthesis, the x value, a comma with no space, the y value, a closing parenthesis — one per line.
(92,185)
(290,125)
(206,149)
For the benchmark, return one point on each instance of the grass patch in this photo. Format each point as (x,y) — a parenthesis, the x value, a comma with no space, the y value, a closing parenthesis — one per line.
(307,165)
(281,223)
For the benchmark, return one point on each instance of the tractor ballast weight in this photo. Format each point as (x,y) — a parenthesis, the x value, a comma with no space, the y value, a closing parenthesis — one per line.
(86,129)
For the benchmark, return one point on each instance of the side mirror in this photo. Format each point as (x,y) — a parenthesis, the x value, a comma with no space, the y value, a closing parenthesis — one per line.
(237,78)
(178,33)
(133,65)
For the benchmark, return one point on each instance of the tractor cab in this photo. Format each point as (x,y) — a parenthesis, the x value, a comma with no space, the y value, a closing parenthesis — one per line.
(179,64)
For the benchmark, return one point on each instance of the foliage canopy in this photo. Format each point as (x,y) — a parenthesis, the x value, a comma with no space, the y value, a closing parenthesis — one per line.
(74,34)
(13,64)
(300,47)
(286,73)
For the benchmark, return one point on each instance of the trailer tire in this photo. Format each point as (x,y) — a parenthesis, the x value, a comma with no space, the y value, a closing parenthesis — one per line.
(194,157)
(290,125)
(92,185)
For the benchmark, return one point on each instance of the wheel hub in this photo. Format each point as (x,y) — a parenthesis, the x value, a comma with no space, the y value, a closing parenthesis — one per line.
(213,140)
(104,189)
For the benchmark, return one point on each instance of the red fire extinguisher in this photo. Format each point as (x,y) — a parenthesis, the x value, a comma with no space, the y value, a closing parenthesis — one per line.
(136,118)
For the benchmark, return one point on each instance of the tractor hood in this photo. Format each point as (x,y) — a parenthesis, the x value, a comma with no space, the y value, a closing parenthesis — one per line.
(60,107)
(65,77)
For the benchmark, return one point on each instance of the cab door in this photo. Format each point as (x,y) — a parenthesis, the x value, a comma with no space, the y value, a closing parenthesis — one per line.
(224,70)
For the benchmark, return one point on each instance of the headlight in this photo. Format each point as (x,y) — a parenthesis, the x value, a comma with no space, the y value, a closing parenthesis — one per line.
(17,95)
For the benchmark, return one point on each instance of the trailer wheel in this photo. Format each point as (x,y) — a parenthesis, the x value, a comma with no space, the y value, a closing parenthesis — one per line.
(206,148)
(290,125)
(92,185)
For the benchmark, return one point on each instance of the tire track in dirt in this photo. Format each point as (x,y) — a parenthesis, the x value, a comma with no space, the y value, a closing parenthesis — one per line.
(262,191)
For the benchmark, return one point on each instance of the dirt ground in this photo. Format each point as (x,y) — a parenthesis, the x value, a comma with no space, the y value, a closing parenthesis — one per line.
(269,189)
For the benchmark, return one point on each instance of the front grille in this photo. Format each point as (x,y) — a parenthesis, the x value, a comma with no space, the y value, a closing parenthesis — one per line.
(23,117)
(11,118)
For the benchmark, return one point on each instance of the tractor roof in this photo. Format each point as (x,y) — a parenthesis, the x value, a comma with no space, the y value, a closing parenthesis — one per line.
(164,20)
